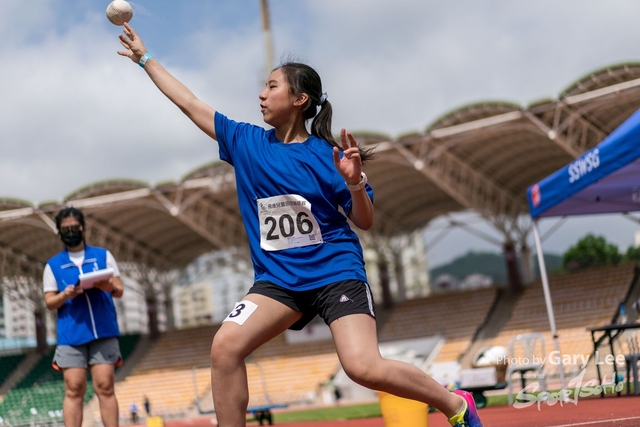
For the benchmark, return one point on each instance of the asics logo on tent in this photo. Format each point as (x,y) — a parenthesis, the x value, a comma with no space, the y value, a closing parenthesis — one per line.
(345,298)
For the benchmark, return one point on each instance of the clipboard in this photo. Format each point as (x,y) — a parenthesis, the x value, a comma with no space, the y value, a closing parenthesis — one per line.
(88,280)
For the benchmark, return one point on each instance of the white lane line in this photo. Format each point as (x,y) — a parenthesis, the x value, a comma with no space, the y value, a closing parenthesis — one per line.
(586,423)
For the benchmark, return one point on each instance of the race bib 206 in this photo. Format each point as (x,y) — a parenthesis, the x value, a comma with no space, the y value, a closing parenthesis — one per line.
(287,222)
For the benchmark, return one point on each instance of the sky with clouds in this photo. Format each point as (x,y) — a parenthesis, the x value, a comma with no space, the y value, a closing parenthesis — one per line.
(73,112)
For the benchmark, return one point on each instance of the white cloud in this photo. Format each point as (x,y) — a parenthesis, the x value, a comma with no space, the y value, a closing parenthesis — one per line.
(396,66)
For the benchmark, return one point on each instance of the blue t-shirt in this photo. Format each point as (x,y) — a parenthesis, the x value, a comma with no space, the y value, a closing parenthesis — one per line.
(289,196)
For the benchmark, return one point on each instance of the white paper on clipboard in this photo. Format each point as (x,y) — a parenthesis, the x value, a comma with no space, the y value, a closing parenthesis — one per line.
(87,280)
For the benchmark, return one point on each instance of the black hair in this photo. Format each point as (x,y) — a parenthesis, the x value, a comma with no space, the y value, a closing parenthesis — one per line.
(304,79)
(66,213)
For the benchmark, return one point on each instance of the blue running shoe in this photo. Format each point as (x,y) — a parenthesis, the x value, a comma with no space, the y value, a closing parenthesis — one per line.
(468,415)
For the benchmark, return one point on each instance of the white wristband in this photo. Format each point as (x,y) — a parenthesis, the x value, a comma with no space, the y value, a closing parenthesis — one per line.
(359,186)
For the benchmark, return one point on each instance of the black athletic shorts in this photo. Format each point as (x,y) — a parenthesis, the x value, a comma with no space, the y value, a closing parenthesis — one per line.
(330,302)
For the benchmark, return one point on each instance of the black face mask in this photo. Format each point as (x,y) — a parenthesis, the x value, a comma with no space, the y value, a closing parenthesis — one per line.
(72,238)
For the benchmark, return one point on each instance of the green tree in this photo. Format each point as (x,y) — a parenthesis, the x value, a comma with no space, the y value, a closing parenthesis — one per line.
(633,254)
(591,251)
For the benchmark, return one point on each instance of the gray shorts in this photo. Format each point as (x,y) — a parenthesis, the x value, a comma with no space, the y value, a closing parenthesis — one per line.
(104,351)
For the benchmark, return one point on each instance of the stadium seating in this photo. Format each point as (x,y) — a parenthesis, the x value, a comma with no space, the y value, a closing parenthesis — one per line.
(290,373)
(8,364)
(165,373)
(38,397)
(293,373)
(580,300)
(454,315)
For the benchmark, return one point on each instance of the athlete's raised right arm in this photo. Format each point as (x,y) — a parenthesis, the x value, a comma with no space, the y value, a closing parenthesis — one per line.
(200,113)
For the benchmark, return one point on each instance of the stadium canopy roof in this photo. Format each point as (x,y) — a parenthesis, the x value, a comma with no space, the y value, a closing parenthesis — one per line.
(478,157)
(165,227)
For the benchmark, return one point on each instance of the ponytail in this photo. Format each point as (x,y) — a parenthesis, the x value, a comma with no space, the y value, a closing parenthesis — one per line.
(304,79)
(321,127)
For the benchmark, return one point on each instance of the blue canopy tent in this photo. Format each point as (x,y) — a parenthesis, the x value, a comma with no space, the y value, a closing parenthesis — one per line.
(606,179)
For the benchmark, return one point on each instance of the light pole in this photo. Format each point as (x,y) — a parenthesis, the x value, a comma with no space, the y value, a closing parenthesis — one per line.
(266,30)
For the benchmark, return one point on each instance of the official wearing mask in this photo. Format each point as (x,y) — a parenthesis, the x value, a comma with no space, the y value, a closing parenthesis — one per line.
(87,325)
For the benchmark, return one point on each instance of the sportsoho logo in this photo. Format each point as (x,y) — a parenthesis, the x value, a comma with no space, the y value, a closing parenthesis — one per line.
(576,388)
(528,396)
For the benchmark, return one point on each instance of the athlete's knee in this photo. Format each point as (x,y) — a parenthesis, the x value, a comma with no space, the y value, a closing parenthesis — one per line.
(363,371)
(226,348)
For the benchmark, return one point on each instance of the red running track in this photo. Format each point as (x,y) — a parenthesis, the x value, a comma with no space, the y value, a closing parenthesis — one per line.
(612,411)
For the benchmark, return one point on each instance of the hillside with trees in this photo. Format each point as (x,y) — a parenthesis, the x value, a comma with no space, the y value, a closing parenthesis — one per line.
(484,268)
(491,264)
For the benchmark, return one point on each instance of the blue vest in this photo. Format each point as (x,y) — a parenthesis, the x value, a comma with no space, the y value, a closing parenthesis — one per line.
(90,315)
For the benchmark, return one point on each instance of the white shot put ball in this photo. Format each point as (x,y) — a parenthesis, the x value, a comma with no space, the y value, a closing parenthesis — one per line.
(119,12)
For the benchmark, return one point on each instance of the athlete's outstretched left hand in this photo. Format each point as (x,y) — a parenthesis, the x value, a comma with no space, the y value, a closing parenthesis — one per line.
(350,166)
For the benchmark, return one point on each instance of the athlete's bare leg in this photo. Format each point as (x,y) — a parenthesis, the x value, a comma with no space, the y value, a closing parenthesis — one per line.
(357,346)
(232,344)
